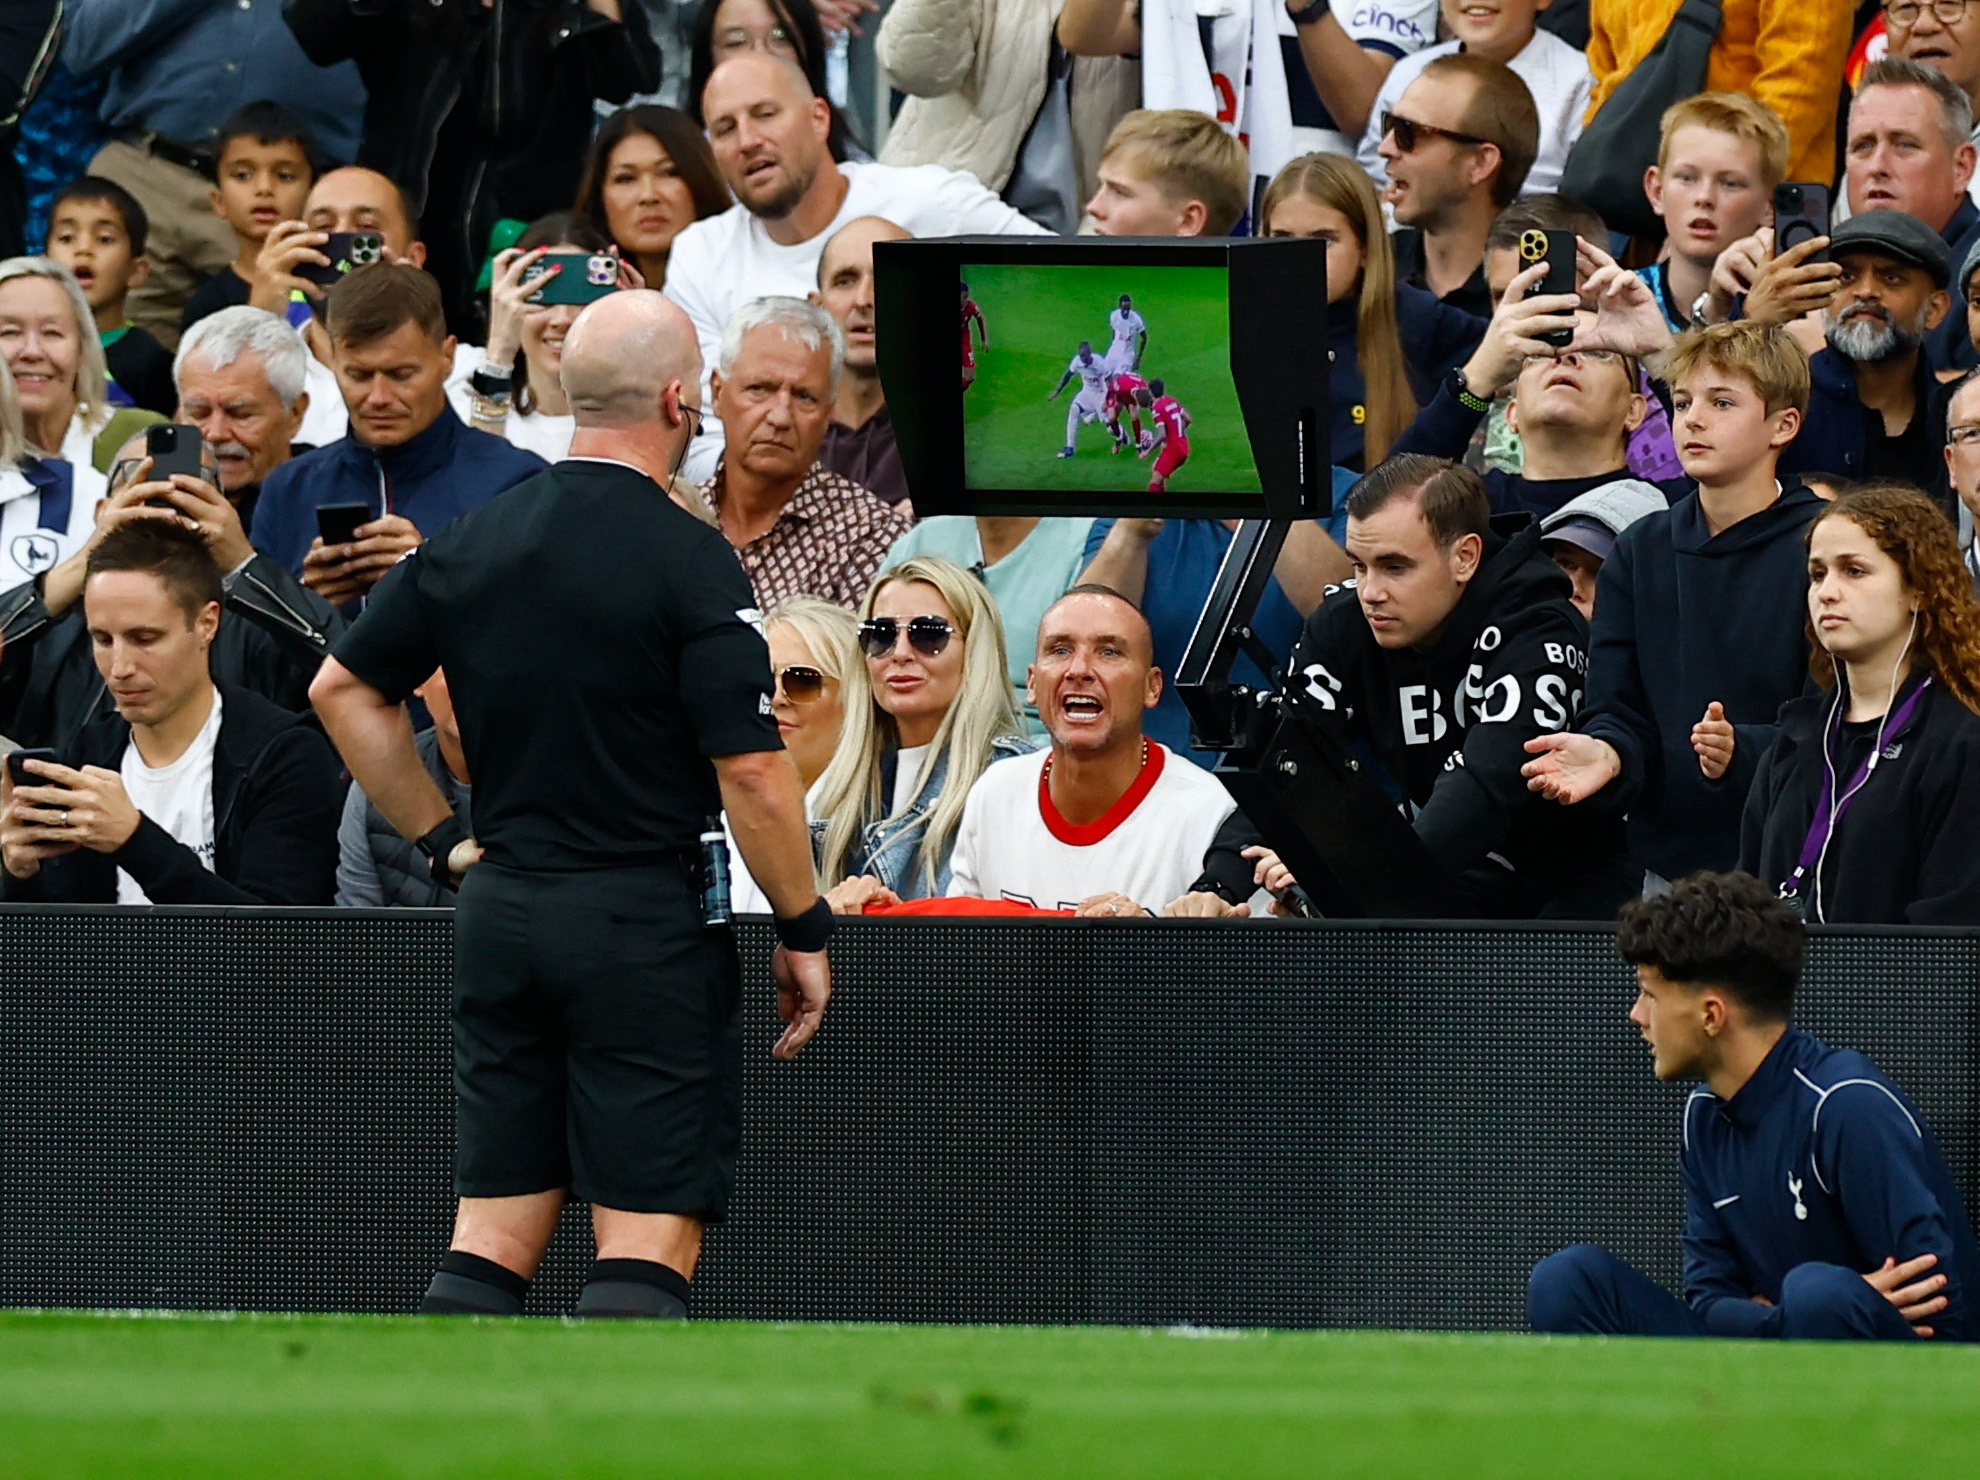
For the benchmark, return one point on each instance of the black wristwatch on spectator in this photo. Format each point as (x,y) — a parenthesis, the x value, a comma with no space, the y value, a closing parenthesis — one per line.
(438,846)
(1310,14)
(490,381)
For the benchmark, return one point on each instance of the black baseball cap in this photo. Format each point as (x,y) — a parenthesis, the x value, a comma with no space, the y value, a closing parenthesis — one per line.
(1896,235)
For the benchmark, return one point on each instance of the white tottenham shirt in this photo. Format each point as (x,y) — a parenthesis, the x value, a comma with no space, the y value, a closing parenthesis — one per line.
(178,797)
(37,536)
(1013,844)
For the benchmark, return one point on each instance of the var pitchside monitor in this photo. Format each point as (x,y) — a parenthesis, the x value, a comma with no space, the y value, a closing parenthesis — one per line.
(1107,376)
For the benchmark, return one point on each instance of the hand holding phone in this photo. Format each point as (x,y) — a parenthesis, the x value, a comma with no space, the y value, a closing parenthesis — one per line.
(1801,213)
(576,279)
(1557,250)
(174,448)
(338,523)
(347,251)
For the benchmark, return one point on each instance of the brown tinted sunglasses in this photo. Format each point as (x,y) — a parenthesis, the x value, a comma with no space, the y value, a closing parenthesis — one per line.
(801,683)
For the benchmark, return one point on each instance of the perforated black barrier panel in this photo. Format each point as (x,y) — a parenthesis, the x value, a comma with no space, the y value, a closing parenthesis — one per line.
(1002,1121)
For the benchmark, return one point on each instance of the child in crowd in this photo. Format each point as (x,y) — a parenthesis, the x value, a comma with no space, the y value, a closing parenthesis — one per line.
(1712,185)
(1678,717)
(97,231)
(1554,71)
(1170,172)
(262,175)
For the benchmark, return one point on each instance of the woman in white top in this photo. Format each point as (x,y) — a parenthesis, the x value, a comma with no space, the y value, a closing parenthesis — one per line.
(814,657)
(49,340)
(935,711)
(526,341)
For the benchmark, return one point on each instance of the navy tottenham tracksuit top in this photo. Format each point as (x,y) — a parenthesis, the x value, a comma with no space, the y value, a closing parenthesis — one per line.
(1818,1159)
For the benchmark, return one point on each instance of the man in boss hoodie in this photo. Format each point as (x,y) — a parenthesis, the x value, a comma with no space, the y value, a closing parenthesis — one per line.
(1700,631)
(1455,645)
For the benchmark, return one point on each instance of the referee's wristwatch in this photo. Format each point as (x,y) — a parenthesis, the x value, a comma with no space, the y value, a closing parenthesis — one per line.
(438,846)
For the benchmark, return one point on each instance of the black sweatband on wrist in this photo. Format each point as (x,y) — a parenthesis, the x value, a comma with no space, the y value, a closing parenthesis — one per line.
(438,846)
(806,932)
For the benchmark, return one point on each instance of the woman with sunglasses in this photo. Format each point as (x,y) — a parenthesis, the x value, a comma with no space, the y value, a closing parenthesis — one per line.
(1866,808)
(937,711)
(1376,389)
(814,652)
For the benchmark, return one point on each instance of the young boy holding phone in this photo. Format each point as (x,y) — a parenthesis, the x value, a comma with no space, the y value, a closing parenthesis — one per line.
(1713,183)
(97,230)
(265,167)
(1677,717)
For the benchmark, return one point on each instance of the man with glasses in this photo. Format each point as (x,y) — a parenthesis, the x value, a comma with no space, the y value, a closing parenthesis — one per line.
(799,528)
(1457,147)
(1963,463)
(1945,36)
(597,1010)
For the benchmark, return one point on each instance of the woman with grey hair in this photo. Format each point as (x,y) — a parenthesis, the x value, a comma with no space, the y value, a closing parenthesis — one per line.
(48,338)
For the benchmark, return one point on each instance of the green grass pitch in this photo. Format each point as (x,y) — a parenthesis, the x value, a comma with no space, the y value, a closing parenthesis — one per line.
(1036,319)
(86,1395)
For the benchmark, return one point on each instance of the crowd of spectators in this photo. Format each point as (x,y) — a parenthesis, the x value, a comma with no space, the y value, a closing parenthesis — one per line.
(1648,577)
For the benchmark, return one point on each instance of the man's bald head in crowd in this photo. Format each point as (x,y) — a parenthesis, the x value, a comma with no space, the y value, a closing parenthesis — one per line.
(769,132)
(623,354)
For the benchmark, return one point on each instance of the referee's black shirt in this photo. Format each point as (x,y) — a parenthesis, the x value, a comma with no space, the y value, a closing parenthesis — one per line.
(599,647)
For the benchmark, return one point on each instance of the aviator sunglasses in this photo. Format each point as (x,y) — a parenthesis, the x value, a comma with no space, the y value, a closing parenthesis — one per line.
(801,684)
(926,635)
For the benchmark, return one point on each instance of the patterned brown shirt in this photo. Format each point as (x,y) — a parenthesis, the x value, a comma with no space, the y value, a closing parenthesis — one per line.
(828,541)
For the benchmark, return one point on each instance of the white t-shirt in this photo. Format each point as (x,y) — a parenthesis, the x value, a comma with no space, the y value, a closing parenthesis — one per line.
(178,797)
(1092,377)
(1555,73)
(1012,844)
(27,545)
(718,265)
(909,762)
(549,437)
(1393,28)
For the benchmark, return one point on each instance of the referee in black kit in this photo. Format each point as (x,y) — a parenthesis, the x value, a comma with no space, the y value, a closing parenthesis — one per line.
(613,694)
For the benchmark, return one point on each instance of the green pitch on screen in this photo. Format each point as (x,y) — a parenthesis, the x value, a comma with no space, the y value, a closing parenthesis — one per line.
(1036,317)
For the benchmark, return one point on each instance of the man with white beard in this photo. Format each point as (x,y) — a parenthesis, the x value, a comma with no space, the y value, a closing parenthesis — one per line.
(1876,411)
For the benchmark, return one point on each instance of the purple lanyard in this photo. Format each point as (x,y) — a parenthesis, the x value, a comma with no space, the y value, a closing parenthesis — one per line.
(1824,822)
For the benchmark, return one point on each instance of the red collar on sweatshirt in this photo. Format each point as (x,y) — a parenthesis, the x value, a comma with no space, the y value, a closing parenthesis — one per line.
(1085,835)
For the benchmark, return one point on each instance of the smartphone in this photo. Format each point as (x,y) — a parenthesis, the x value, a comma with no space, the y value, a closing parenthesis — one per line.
(338,523)
(577,279)
(174,448)
(1801,211)
(347,251)
(1556,249)
(23,777)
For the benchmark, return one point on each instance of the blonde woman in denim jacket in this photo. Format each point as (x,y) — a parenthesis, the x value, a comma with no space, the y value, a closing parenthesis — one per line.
(938,709)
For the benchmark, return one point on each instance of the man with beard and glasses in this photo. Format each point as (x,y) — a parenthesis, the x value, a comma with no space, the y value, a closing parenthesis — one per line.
(769,132)
(1876,411)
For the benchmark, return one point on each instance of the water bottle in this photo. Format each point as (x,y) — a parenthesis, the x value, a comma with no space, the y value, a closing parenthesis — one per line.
(714,877)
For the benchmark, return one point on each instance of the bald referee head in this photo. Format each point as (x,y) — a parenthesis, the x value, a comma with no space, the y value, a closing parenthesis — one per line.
(632,371)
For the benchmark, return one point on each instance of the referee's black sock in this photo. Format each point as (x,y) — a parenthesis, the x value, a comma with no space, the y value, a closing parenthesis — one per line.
(628,1288)
(469,1285)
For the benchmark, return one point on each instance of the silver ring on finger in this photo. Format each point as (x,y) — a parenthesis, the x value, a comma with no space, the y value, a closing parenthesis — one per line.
(65,817)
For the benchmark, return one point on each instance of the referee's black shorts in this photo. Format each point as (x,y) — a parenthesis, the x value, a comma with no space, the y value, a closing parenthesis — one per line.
(597,1040)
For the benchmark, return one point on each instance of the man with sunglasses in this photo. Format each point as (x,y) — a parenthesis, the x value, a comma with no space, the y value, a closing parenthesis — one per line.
(597,1012)
(49,686)
(1457,147)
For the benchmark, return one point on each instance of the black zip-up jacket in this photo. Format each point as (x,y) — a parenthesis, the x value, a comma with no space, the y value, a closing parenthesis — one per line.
(1450,726)
(1907,848)
(276,801)
(1684,617)
(273,636)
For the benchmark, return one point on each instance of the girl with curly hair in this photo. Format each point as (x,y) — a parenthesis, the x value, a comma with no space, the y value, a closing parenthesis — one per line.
(1867,809)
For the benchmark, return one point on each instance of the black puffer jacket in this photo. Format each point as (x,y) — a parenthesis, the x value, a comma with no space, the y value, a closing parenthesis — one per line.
(1906,850)
(1449,727)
